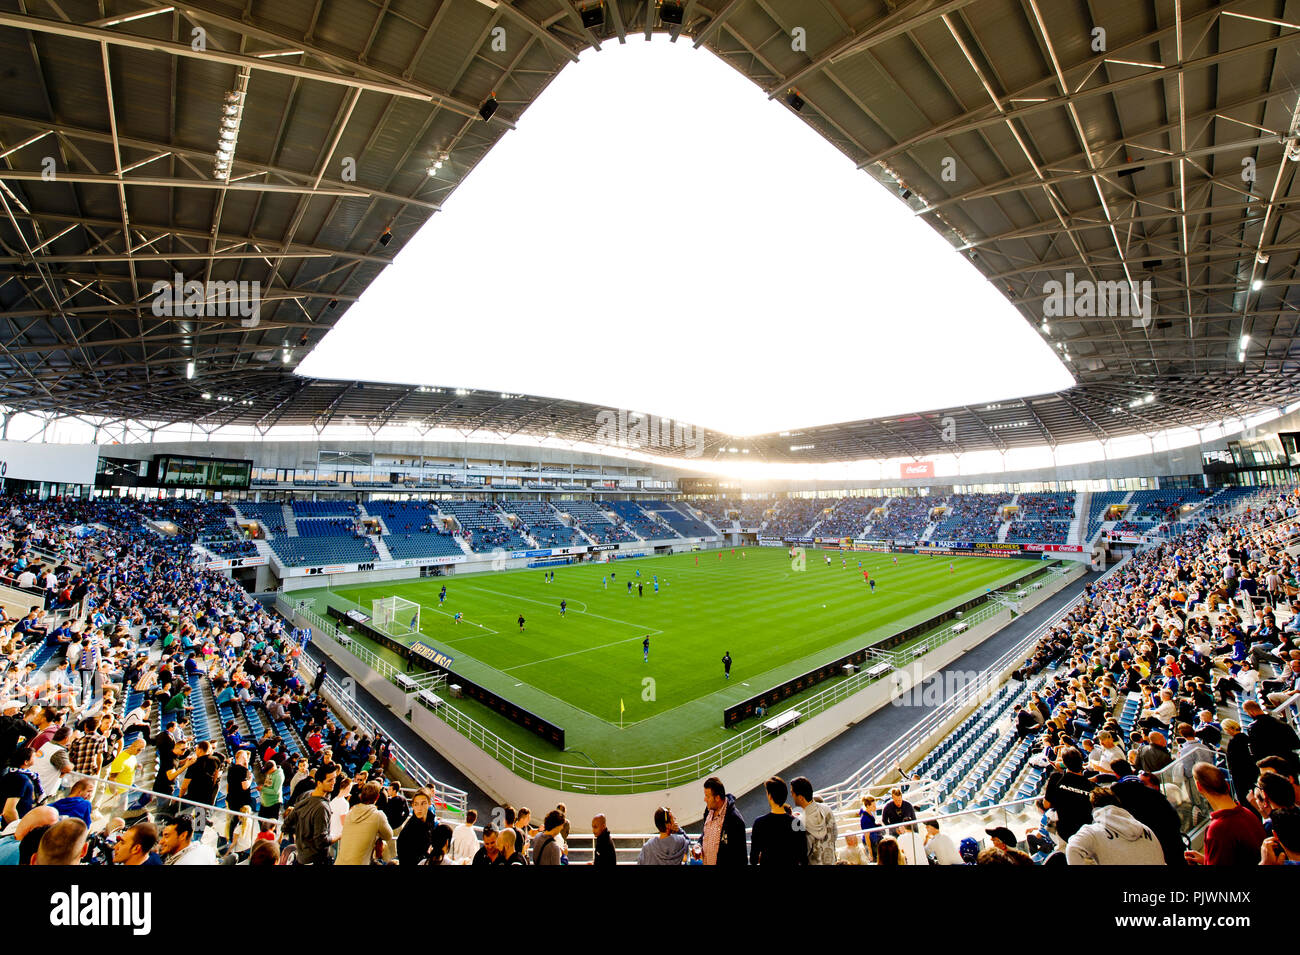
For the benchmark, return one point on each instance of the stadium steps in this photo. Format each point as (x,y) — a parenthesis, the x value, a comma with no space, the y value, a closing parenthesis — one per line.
(204,720)
(290,523)
(1079,524)
(381,548)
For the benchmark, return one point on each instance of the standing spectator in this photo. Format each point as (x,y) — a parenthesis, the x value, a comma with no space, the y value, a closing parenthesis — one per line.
(867,821)
(395,807)
(604,854)
(88,666)
(239,791)
(546,846)
(272,792)
(898,810)
(490,854)
(464,844)
(18,787)
(341,802)
(362,828)
(416,835)
(311,821)
(1235,833)
(723,840)
(776,839)
(669,847)
(1068,791)
(1241,764)
(201,782)
(818,823)
(122,772)
(1269,736)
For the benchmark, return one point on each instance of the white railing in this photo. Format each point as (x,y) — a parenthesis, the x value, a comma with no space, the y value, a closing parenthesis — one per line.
(616,779)
(454,798)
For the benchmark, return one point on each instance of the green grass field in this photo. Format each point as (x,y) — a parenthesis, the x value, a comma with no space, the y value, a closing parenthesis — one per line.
(577,669)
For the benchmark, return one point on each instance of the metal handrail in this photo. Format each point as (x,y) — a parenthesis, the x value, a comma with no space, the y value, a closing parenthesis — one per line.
(451,796)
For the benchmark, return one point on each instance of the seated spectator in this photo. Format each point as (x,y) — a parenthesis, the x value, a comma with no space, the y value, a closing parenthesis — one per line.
(1114,837)
(1235,833)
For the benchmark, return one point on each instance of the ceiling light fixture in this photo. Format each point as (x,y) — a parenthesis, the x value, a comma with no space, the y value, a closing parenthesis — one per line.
(232,115)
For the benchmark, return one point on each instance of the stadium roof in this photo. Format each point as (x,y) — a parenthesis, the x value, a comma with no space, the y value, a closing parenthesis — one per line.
(1160,158)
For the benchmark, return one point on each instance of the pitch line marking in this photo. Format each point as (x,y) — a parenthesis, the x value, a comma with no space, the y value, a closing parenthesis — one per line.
(555,606)
(574,653)
(470,622)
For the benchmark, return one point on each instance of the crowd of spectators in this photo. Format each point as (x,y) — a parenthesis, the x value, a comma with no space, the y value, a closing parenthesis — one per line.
(905,519)
(1156,713)
(1161,680)
(107,695)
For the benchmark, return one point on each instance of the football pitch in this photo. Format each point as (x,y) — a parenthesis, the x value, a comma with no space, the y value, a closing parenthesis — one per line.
(586,669)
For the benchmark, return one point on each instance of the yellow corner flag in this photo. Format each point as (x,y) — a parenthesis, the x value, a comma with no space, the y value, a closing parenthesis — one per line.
(621,707)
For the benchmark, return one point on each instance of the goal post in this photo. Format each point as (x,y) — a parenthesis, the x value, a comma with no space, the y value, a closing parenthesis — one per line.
(395,616)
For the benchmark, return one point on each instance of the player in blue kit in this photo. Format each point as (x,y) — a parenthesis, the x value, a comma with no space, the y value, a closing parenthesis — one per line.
(645,649)
(563,606)
(442,595)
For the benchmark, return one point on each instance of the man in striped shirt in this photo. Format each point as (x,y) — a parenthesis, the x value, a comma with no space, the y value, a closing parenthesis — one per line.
(88,666)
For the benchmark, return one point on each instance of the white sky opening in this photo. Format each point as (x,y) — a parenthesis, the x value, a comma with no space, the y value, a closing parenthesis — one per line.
(657,235)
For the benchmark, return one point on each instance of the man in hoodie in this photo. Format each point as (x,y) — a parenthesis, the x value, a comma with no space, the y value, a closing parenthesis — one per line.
(818,822)
(724,827)
(1113,837)
(311,820)
(362,827)
(1142,797)
(669,847)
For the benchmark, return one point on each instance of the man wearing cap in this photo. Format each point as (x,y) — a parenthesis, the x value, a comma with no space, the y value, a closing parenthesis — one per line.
(1002,838)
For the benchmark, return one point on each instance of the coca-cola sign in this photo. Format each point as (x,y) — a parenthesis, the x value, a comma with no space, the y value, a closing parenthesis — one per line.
(916,469)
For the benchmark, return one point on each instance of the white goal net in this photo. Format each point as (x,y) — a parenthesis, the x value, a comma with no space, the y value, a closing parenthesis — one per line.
(396,616)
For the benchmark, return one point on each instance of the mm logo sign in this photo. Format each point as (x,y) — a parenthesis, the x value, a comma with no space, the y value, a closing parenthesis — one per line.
(419,648)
